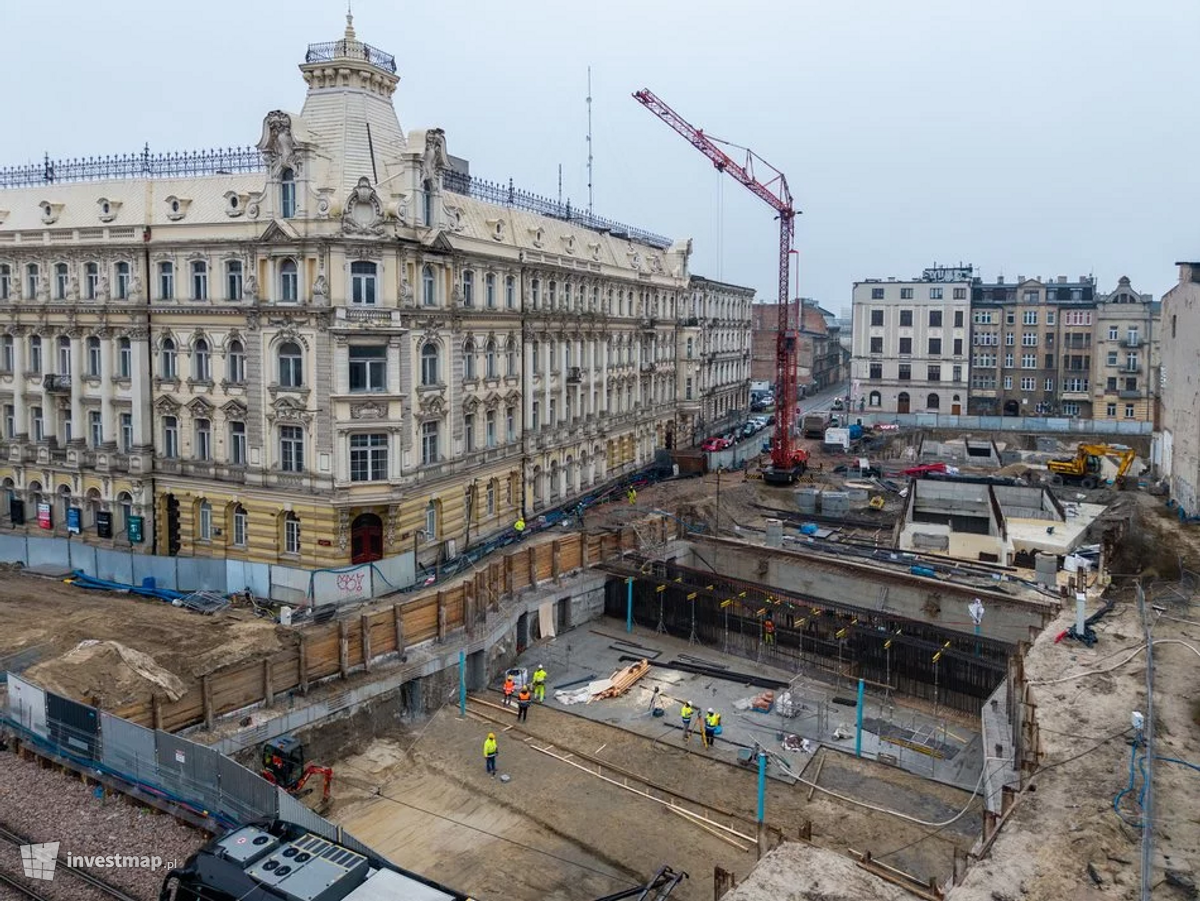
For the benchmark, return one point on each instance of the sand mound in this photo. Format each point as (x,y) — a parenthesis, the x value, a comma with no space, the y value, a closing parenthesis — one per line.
(796,872)
(106,672)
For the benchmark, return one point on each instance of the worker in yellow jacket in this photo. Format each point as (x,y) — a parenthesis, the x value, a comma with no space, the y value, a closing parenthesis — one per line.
(539,684)
(489,753)
(712,723)
(686,712)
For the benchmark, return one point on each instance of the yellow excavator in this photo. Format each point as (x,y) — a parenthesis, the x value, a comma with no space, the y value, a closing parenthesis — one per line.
(1084,469)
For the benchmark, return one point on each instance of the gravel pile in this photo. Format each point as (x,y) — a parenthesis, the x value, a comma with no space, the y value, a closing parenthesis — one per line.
(46,806)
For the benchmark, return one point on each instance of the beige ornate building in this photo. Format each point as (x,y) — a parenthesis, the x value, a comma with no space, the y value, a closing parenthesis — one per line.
(335,347)
(714,358)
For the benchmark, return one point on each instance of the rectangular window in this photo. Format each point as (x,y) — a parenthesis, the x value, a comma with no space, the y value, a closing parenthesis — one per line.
(1113,331)
(469,432)
(958,347)
(233,280)
(38,424)
(1049,384)
(126,433)
(489,428)
(291,535)
(877,317)
(1111,383)
(1008,361)
(905,372)
(535,420)
(240,527)
(1029,361)
(1110,410)
(1029,339)
(877,345)
(1129,414)
(935,318)
(362,283)
(876,371)
(429,443)
(687,388)
(166,281)
(906,293)
(906,318)
(1050,317)
(368,368)
(1070,409)
(1030,317)
(199,281)
(170,437)
(489,290)
(934,373)
(93,357)
(935,347)
(877,294)
(983,317)
(368,458)
(10,421)
(291,448)
(935,293)
(1028,383)
(959,294)
(1049,361)
(95,429)
(510,424)
(1010,338)
(510,292)
(237,443)
(906,345)
(6,354)
(1008,383)
(203,448)
(205,521)
(958,373)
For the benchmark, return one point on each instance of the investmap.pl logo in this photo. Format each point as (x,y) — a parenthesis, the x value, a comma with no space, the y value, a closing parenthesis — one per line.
(38,861)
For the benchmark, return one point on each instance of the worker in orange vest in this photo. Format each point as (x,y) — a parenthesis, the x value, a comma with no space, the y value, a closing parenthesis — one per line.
(509,687)
(524,699)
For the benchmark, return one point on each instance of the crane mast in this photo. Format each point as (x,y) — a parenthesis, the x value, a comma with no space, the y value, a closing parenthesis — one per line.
(772,188)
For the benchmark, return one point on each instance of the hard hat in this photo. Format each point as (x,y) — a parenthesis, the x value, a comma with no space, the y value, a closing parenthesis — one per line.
(491,735)
(710,710)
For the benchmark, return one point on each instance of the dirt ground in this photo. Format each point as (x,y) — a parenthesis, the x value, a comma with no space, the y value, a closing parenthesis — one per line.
(140,645)
(1068,822)
(558,808)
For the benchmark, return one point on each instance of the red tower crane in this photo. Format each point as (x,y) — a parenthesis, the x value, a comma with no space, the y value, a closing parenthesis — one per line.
(787,461)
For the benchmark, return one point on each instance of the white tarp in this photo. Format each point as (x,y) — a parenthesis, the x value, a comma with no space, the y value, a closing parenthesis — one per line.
(546,620)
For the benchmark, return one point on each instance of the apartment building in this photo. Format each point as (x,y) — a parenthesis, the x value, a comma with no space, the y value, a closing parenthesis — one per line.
(1179,442)
(910,351)
(821,360)
(713,357)
(331,347)
(1125,366)
(1031,347)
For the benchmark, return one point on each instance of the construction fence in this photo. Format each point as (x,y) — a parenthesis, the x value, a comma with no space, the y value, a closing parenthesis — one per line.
(1048,424)
(286,584)
(351,645)
(153,763)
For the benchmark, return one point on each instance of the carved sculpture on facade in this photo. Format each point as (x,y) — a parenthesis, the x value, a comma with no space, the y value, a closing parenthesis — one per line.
(250,288)
(277,143)
(363,213)
(435,159)
(321,288)
(369,410)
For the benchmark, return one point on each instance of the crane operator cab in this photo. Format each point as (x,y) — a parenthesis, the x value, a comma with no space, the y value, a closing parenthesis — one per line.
(283,759)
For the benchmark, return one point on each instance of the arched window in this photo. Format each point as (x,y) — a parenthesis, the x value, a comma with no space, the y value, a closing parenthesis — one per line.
(875,399)
(428,286)
(933,403)
(429,365)
(469,360)
(240,526)
(201,361)
(167,359)
(64,501)
(291,365)
(33,493)
(431,521)
(287,194)
(199,280)
(125,505)
(204,521)
(235,362)
(61,281)
(490,359)
(91,280)
(468,288)
(289,281)
(291,533)
(362,283)
(123,281)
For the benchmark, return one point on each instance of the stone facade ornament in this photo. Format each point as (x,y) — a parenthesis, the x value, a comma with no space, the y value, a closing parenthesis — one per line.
(321,288)
(435,160)
(277,143)
(363,214)
(369,410)
(250,288)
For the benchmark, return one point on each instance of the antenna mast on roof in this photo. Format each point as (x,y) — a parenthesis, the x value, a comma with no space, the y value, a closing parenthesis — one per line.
(560,184)
(589,139)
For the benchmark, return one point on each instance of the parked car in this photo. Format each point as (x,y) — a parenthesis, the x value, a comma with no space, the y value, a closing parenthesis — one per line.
(839,404)
(711,445)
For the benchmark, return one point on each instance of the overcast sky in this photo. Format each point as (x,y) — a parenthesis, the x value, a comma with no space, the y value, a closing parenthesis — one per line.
(1029,137)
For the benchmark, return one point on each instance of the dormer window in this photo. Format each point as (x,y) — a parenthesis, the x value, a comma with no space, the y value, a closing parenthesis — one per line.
(50,211)
(287,194)
(108,209)
(177,207)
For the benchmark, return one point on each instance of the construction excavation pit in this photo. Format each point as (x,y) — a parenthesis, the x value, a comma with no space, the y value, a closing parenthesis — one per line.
(645,703)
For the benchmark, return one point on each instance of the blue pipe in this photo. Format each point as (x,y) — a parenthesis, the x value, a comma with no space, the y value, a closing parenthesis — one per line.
(762,784)
(629,604)
(858,730)
(462,683)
